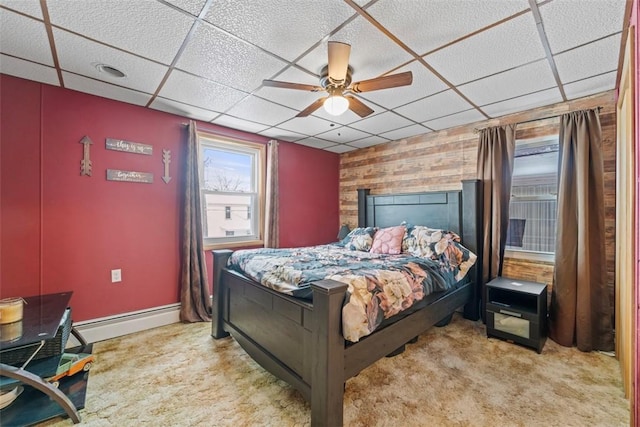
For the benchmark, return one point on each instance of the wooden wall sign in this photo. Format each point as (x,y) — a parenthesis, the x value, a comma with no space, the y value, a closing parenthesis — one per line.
(85,163)
(166,159)
(129,147)
(129,176)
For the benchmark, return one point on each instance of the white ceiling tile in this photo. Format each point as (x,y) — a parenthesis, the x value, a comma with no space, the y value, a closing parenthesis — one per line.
(183,110)
(368,142)
(372,54)
(147,28)
(315,143)
(340,149)
(105,90)
(282,134)
(589,60)
(199,92)
(405,132)
(591,85)
(569,24)
(424,26)
(505,46)
(284,27)
(343,134)
(307,125)
(438,105)
(15,29)
(225,59)
(192,6)
(81,56)
(457,119)
(28,70)
(515,82)
(344,119)
(296,99)
(29,7)
(240,124)
(523,103)
(261,111)
(382,122)
(424,83)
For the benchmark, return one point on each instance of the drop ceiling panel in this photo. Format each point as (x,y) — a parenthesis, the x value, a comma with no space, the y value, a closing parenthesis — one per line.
(315,143)
(284,27)
(227,60)
(28,70)
(382,122)
(405,132)
(15,29)
(105,90)
(523,103)
(453,120)
(146,28)
(569,26)
(372,54)
(30,7)
(368,142)
(509,84)
(296,99)
(343,134)
(589,60)
(307,125)
(509,45)
(340,149)
(81,56)
(192,6)
(261,111)
(199,92)
(424,83)
(235,123)
(432,107)
(180,109)
(590,86)
(345,118)
(424,26)
(282,134)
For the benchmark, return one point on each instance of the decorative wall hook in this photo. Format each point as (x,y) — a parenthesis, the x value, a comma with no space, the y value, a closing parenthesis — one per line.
(85,163)
(166,159)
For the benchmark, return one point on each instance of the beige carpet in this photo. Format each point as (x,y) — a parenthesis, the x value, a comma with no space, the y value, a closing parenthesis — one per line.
(454,376)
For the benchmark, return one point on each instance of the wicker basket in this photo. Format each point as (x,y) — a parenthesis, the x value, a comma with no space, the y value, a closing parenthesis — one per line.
(53,347)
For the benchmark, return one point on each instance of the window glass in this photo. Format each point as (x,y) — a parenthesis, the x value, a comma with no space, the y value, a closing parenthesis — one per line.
(532,210)
(232,185)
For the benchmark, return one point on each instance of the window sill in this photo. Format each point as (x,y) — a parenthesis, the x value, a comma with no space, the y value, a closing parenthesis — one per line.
(233,245)
(547,257)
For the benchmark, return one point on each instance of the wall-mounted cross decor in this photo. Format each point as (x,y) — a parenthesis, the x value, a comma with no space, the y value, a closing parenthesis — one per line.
(85,163)
(166,159)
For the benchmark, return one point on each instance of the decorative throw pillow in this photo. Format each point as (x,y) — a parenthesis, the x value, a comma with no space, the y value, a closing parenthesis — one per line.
(359,239)
(388,240)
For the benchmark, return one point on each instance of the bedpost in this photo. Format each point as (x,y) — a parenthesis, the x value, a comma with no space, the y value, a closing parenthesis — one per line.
(473,240)
(327,372)
(362,206)
(217,322)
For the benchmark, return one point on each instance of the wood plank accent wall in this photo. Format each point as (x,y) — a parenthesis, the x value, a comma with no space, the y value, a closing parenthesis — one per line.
(440,160)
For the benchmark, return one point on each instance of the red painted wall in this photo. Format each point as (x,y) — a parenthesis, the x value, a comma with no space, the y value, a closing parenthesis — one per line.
(63,231)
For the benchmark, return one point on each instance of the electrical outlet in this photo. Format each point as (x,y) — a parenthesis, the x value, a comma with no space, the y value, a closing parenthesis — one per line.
(116,275)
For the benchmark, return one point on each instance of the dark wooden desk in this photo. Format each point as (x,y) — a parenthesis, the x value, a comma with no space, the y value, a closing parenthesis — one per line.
(42,316)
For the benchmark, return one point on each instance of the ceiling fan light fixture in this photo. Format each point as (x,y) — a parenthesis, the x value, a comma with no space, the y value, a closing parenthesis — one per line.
(336,105)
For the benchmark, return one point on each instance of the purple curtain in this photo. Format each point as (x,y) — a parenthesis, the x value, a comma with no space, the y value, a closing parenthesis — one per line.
(195,303)
(580,310)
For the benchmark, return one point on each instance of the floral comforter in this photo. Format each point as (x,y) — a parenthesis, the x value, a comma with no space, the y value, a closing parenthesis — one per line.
(380,285)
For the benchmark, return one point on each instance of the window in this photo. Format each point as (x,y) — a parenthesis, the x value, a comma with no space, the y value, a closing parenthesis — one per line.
(533,206)
(232,183)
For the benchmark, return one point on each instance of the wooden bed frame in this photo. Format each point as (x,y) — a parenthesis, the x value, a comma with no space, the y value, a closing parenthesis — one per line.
(301,343)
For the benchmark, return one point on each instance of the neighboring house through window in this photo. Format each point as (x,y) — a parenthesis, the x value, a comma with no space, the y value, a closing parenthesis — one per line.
(232,185)
(533,206)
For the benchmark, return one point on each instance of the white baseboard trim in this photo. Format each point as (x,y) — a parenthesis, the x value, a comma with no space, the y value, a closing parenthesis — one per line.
(105,328)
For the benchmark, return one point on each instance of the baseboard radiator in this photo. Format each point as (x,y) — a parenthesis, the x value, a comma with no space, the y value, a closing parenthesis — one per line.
(105,328)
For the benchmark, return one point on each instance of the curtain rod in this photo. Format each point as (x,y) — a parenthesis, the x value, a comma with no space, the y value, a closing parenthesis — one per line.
(477,130)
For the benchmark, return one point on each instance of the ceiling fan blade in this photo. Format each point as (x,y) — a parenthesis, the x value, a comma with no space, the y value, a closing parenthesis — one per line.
(338,61)
(386,82)
(313,107)
(358,106)
(287,85)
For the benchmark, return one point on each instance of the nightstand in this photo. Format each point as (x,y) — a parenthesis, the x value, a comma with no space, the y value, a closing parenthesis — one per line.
(517,311)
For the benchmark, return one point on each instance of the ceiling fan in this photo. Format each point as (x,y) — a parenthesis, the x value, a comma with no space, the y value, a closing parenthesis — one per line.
(336,81)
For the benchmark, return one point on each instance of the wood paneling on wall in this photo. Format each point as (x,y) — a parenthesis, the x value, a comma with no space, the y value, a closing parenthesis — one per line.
(440,160)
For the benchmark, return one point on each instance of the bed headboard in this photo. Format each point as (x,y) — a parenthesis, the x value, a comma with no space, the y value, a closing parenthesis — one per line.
(459,211)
